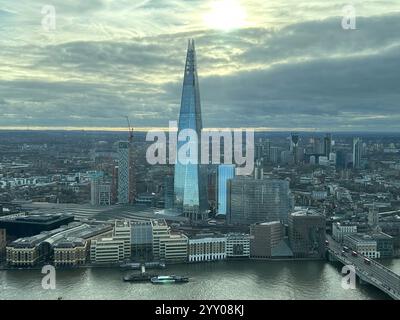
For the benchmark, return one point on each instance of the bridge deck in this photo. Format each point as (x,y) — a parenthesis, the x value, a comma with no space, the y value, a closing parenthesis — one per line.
(374,273)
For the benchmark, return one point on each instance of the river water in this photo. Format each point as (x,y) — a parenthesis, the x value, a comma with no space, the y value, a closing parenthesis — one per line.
(218,280)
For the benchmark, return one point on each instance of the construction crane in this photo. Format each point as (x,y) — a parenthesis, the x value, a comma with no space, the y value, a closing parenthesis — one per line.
(130,130)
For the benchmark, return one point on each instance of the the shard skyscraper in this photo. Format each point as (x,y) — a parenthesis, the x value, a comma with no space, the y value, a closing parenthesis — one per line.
(190,181)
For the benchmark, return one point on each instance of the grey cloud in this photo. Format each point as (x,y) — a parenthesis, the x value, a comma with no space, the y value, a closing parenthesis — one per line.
(303,93)
(311,74)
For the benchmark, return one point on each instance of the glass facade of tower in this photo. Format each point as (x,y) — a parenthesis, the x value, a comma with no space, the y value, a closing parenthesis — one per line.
(225,172)
(190,182)
(253,201)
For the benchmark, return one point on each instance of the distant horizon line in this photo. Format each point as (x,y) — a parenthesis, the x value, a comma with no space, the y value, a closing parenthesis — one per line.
(154,128)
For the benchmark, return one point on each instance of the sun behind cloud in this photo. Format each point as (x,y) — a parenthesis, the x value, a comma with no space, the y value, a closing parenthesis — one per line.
(225,15)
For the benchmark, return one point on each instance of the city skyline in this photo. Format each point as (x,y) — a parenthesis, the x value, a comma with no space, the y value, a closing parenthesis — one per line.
(106,60)
(199,154)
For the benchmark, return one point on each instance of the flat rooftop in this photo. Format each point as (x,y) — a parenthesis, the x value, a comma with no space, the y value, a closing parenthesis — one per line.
(306,213)
(122,223)
(381,236)
(206,235)
(102,213)
(360,237)
(42,219)
(74,232)
(158,222)
(269,223)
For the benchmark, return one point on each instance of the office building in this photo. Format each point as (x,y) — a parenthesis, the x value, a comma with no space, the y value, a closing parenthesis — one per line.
(190,183)
(100,191)
(294,146)
(258,170)
(237,245)
(95,177)
(318,146)
(251,201)
(323,161)
(107,251)
(332,159)
(114,185)
(384,244)
(174,248)
(160,230)
(327,145)
(212,185)
(104,194)
(169,192)
(274,154)
(167,246)
(319,194)
(392,228)
(26,225)
(65,246)
(122,231)
(146,198)
(3,243)
(259,151)
(340,230)
(27,252)
(373,217)
(70,253)
(142,240)
(341,159)
(207,247)
(307,234)
(30,251)
(357,153)
(286,157)
(363,244)
(267,240)
(267,150)
(71,246)
(225,172)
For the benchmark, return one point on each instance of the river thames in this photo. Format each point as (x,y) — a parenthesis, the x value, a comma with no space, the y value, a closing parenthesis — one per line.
(208,281)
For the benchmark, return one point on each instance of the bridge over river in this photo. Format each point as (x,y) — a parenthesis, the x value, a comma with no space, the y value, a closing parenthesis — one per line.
(374,273)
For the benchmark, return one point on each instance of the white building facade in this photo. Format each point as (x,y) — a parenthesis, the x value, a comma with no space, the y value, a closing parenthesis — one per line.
(107,251)
(237,245)
(122,232)
(339,231)
(207,249)
(363,244)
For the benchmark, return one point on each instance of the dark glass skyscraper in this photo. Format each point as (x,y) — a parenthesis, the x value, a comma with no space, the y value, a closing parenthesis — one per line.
(190,183)
(327,144)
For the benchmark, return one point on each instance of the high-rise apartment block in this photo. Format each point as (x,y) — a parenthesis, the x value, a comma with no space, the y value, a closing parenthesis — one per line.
(357,153)
(126,182)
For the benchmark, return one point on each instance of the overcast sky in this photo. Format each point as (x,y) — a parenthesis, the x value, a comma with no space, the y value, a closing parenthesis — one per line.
(280,64)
